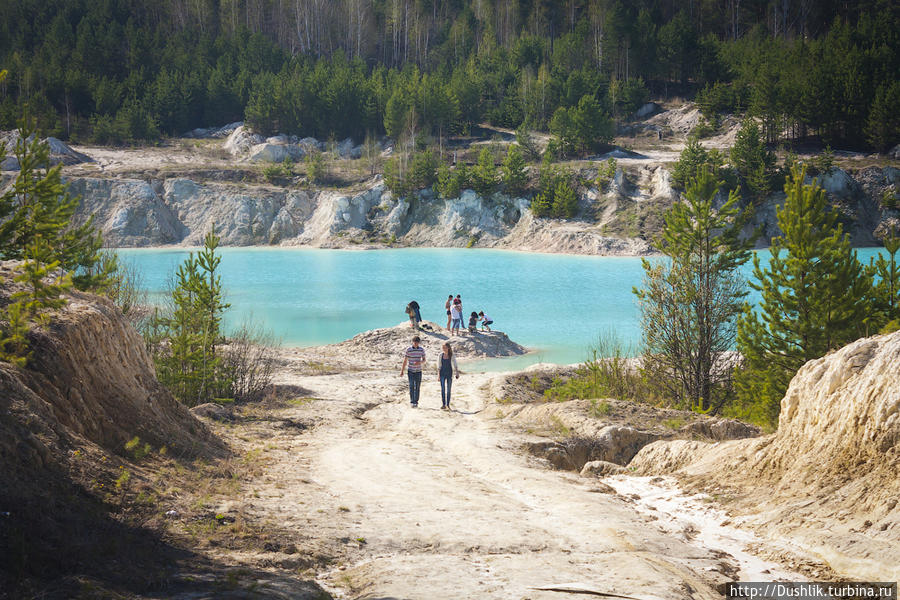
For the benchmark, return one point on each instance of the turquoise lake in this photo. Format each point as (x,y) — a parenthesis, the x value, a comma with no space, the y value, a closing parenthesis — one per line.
(556,305)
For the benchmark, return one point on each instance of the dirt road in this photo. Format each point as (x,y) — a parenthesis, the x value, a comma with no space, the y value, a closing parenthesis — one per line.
(422,503)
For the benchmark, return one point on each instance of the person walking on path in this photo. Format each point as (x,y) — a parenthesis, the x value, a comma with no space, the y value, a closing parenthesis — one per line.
(415,358)
(447,306)
(447,368)
(456,318)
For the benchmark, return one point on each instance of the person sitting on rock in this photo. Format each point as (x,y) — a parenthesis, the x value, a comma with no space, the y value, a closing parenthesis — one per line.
(486,321)
(473,322)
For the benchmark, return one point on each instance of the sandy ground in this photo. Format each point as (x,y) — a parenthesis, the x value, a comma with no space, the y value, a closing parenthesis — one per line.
(423,503)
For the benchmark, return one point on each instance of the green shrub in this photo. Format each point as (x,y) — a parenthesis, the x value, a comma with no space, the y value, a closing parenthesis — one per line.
(606,173)
(137,451)
(451,182)
(316,169)
(484,174)
(513,173)
(608,374)
(423,170)
(891,327)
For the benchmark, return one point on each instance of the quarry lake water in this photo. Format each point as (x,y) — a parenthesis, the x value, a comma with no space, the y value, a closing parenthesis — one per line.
(555,304)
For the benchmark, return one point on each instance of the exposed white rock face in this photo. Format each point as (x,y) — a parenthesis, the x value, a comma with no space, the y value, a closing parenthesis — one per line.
(275,152)
(214,132)
(646,110)
(60,152)
(661,185)
(263,216)
(242,140)
(128,211)
(837,182)
(335,213)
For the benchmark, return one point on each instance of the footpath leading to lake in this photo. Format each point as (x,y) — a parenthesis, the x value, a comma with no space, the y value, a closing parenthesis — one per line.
(421,503)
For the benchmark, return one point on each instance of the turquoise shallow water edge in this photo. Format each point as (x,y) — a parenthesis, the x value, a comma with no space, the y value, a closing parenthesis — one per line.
(557,305)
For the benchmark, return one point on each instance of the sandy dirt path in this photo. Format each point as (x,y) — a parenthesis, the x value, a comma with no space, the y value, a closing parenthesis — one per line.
(426,504)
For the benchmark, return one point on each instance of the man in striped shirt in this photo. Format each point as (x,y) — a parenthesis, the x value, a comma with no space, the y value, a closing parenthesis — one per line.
(415,358)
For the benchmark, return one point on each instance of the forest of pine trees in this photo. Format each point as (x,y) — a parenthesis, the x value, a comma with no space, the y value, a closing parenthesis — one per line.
(112,71)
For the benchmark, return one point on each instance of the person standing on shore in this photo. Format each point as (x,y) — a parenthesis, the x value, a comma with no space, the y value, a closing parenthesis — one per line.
(456,318)
(415,358)
(447,306)
(446,369)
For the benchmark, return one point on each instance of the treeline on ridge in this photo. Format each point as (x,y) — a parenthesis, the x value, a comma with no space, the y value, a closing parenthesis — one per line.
(113,71)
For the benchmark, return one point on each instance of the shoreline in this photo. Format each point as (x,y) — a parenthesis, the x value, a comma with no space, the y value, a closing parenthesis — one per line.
(373,247)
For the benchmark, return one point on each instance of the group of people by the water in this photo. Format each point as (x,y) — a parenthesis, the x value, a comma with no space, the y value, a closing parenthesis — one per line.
(455,317)
(414,356)
(414,364)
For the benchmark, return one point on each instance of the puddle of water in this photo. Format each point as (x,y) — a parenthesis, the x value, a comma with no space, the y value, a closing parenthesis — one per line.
(692,515)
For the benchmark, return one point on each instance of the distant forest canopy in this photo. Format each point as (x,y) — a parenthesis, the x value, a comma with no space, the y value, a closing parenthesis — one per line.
(112,71)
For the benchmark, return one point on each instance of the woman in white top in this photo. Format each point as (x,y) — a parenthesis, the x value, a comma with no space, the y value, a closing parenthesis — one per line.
(456,318)
(446,370)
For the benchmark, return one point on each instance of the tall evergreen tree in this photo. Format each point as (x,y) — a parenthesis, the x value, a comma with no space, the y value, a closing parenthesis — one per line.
(753,161)
(35,227)
(514,176)
(690,303)
(484,174)
(38,206)
(814,299)
(886,291)
(190,368)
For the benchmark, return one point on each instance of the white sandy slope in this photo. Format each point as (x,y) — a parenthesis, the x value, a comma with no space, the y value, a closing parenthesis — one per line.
(829,479)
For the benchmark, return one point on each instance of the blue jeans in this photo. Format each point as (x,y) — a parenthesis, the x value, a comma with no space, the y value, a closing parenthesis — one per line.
(446,384)
(415,382)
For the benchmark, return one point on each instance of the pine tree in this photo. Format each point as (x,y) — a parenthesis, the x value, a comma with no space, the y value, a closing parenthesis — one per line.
(35,227)
(191,367)
(13,340)
(565,200)
(514,175)
(883,124)
(542,204)
(484,174)
(690,303)
(886,289)
(815,297)
(38,205)
(751,159)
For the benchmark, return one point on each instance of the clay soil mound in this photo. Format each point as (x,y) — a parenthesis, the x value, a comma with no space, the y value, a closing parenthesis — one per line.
(829,478)
(87,390)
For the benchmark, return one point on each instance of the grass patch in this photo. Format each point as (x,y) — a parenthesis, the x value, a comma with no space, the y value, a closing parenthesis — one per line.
(609,374)
(559,428)
(599,408)
(674,423)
